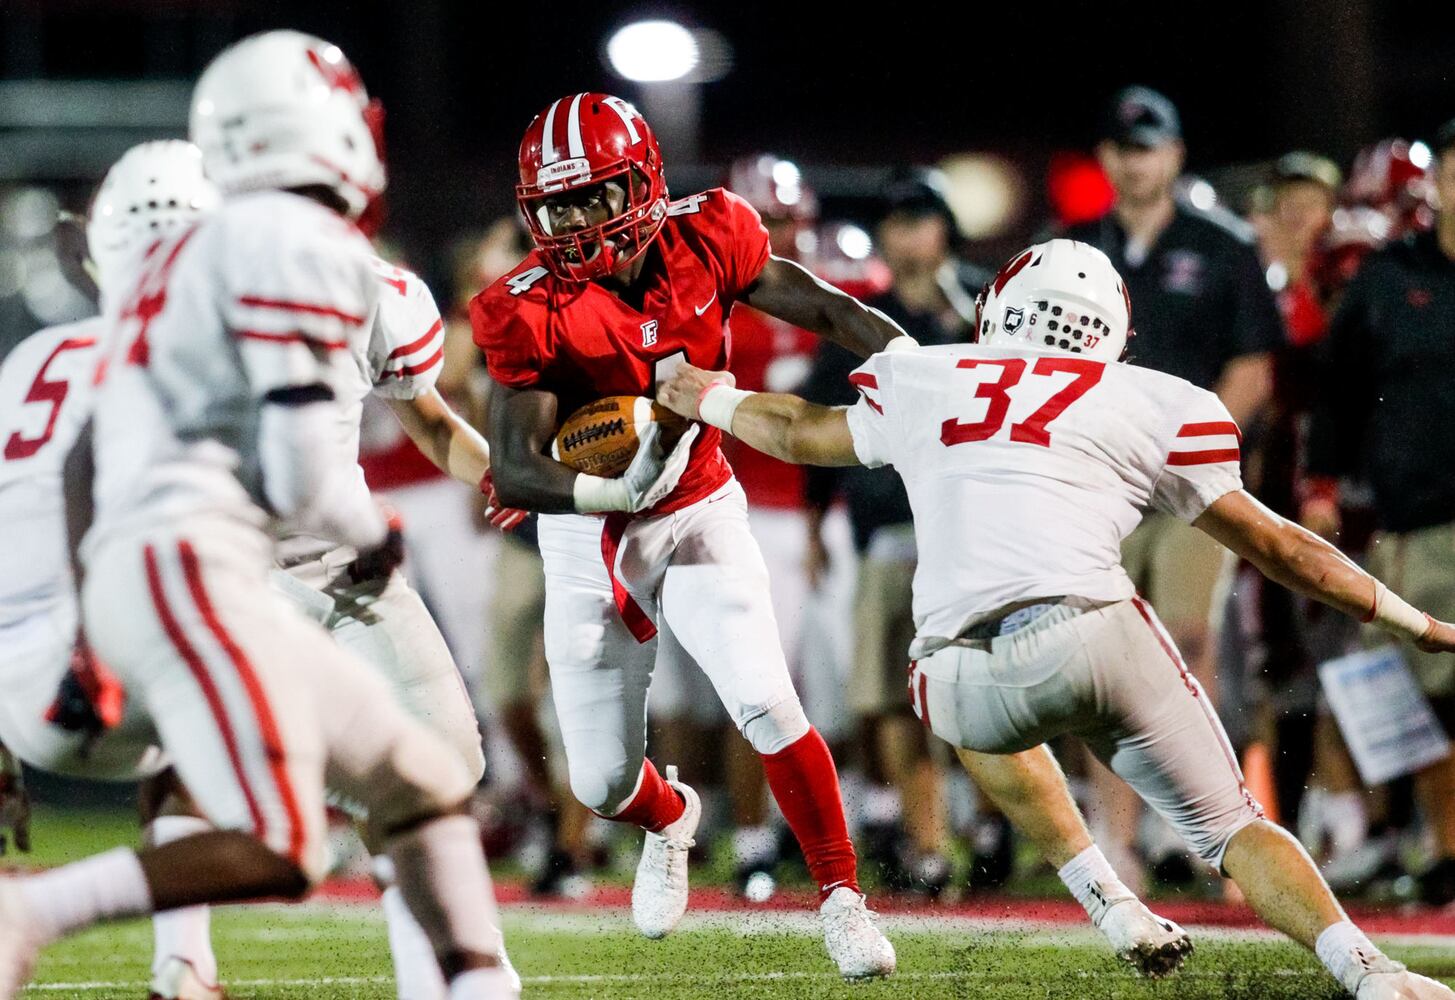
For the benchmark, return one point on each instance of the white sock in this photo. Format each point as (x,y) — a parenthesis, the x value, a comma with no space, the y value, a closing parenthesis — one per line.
(184,933)
(75,896)
(1093,881)
(483,984)
(417,973)
(441,874)
(1350,956)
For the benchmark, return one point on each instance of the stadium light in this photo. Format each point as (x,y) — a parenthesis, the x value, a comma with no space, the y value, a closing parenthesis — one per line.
(653,51)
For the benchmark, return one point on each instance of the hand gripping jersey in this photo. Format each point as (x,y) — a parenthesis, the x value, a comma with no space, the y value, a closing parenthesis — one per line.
(1026,470)
(45,389)
(267,294)
(581,342)
(398,354)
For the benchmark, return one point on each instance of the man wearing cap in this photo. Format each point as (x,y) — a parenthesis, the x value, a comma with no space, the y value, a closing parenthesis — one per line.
(932,296)
(1385,411)
(1204,313)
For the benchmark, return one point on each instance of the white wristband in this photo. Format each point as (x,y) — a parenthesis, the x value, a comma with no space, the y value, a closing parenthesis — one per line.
(1394,614)
(718,403)
(904,342)
(597,495)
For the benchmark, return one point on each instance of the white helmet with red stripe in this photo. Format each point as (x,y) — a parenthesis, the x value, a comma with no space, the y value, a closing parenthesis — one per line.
(153,191)
(1061,295)
(282,110)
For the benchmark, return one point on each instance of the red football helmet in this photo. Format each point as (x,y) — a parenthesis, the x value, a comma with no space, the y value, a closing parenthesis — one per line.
(579,142)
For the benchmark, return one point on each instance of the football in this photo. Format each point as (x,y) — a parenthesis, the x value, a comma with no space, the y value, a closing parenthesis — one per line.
(601,437)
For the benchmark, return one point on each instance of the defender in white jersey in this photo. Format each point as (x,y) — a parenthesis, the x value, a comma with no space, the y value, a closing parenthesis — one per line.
(216,422)
(397,355)
(1027,458)
(63,711)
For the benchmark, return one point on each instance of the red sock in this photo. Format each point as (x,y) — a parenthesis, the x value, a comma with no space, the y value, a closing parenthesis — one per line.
(655,805)
(806,785)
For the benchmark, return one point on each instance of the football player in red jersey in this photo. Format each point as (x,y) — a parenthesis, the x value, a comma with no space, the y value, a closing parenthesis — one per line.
(622,287)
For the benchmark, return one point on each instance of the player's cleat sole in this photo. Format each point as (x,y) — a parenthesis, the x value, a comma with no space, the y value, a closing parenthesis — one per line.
(858,948)
(177,979)
(1153,945)
(1403,985)
(659,894)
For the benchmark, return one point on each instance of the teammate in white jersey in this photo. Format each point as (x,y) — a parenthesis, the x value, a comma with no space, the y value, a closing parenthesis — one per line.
(216,421)
(1027,458)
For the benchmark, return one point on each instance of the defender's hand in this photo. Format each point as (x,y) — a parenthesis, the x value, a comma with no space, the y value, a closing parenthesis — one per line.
(377,563)
(683,391)
(14,804)
(1439,639)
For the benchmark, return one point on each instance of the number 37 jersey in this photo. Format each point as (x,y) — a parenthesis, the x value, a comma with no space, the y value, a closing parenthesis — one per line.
(1026,470)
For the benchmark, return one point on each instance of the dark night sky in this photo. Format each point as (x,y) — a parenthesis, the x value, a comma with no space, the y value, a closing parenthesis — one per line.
(824,83)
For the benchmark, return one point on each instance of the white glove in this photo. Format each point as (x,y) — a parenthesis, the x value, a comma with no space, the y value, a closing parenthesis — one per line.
(646,481)
(651,477)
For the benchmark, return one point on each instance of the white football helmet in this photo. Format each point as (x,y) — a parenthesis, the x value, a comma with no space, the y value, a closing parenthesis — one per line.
(1061,295)
(154,190)
(283,109)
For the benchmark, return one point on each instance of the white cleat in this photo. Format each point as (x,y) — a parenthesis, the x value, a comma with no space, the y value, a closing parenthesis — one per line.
(1152,945)
(853,942)
(177,979)
(1401,985)
(18,946)
(659,894)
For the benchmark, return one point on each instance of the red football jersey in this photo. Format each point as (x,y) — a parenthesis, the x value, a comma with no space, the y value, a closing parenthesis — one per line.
(582,342)
(773,356)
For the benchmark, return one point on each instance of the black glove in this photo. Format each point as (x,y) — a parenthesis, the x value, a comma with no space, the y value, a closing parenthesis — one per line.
(377,563)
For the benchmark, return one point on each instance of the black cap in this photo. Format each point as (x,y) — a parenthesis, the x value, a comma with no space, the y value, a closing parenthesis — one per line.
(1140,116)
(919,193)
(1445,138)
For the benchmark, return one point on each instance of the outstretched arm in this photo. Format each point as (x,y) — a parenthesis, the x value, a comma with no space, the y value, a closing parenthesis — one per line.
(1303,562)
(444,436)
(789,292)
(786,427)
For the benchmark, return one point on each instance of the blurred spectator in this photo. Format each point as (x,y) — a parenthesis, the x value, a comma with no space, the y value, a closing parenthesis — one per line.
(1202,311)
(933,297)
(1385,410)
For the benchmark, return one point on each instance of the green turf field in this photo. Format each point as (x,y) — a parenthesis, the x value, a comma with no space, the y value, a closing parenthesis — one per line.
(320,952)
(324,952)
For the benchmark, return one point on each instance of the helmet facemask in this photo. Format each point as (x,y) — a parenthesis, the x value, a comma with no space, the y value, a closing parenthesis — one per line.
(598,249)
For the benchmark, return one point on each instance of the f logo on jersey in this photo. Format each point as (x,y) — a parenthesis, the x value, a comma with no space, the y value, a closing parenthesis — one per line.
(1013,319)
(649,333)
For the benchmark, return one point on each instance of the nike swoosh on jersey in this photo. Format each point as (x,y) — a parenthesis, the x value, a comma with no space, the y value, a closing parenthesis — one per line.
(703,308)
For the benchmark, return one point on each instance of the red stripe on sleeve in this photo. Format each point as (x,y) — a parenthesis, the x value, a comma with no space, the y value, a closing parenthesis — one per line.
(292,337)
(412,370)
(416,345)
(311,308)
(1210,457)
(1211,427)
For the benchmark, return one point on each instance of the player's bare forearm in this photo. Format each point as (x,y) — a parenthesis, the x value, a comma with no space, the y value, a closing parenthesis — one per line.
(444,436)
(791,293)
(1300,560)
(1245,385)
(521,424)
(786,427)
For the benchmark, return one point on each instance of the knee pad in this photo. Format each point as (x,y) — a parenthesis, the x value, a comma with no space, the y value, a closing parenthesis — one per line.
(604,786)
(778,728)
